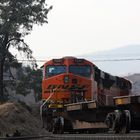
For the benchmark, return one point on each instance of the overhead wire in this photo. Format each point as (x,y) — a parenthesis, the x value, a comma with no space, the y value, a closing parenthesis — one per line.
(123,59)
(95,60)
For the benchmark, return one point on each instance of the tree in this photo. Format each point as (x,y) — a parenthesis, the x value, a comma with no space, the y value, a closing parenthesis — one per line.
(29,79)
(17,18)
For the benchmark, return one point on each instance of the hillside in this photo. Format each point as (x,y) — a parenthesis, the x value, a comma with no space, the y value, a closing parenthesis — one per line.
(135,78)
(24,86)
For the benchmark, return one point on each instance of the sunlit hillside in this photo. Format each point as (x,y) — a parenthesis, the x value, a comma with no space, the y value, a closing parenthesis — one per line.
(135,79)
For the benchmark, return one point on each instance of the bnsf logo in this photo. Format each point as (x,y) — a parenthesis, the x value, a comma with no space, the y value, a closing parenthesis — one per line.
(58,88)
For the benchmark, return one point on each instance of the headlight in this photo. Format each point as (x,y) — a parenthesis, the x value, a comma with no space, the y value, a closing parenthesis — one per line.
(66,79)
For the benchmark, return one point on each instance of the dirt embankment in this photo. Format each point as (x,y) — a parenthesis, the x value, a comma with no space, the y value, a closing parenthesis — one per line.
(14,116)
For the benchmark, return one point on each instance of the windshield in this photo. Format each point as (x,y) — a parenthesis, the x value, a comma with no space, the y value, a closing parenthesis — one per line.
(54,70)
(83,70)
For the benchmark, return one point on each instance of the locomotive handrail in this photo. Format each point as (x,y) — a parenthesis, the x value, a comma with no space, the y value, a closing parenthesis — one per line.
(45,103)
(127,96)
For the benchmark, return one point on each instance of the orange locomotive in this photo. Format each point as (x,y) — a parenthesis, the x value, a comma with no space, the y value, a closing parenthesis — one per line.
(65,76)
(74,89)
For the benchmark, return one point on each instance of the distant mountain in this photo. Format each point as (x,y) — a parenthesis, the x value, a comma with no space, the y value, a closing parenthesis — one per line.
(135,79)
(122,52)
(117,67)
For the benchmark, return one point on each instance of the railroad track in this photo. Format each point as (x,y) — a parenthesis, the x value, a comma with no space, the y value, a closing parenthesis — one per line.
(46,137)
(131,136)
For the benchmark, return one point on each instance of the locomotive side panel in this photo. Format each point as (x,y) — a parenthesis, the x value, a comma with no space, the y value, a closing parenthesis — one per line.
(110,86)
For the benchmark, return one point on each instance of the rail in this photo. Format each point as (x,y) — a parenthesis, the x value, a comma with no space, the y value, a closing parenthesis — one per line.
(100,137)
(46,137)
(135,136)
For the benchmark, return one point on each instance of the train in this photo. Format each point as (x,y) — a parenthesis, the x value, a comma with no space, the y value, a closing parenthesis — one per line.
(78,97)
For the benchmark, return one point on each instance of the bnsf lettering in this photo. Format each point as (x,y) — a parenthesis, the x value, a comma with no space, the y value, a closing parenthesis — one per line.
(51,86)
(59,88)
(63,87)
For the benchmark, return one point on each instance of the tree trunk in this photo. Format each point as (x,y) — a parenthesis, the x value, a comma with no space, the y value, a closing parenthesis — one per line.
(4,50)
(1,81)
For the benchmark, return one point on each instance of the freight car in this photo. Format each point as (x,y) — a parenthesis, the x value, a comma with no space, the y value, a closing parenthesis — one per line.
(78,96)
(126,116)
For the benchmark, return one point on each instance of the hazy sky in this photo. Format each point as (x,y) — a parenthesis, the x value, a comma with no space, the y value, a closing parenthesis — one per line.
(79,27)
